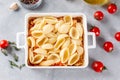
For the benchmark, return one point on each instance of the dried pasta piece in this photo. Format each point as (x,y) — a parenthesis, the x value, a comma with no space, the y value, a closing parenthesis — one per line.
(38,58)
(31,42)
(72,48)
(58,24)
(64,28)
(54,57)
(37,33)
(77,41)
(37,20)
(74,33)
(80,29)
(66,43)
(64,55)
(68,19)
(80,50)
(73,59)
(47,63)
(50,19)
(40,51)
(30,55)
(48,28)
(62,36)
(52,40)
(59,43)
(41,40)
(47,46)
(51,35)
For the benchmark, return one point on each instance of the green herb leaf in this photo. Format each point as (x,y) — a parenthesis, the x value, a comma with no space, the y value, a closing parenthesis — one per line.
(16,58)
(4,51)
(17,49)
(13,64)
(12,43)
(21,66)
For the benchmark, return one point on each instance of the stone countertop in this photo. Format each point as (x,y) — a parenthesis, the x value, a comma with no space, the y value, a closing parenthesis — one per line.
(12,22)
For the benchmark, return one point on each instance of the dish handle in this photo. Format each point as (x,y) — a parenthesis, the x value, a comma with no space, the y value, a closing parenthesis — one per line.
(18,39)
(93,40)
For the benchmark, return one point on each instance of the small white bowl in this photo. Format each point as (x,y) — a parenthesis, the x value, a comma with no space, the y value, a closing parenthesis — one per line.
(86,34)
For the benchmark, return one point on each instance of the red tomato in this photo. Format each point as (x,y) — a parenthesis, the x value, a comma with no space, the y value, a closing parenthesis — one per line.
(112,8)
(98,66)
(4,43)
(117,36)
(98,15)
(96,30)
(108,46)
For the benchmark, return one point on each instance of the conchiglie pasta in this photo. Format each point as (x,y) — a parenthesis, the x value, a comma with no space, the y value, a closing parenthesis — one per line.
(64,28)
(48,28)
(30,56)
(52,40)
(73,59)
(57,25)
(74,34)
(72,48)
(66,43)
(64,55)
(37,33)
(37,20)
(62,36)
(51,35)
(54,57)
(80,50)
(41,40)
(77,41)
(47,46)
(31,42)
(47,63)
(37,59)
(59,43)
(50,20)
(41,51)
(80,29)
(68,19)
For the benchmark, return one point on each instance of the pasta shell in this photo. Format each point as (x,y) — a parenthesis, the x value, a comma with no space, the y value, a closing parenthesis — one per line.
(48,28)
(62,36)
(40,51)
(54,57)
(52,40)
(41,40)
(72,48)
(30,56)
(31,42)
(37,33)
(64,55)
(74,34)
(37,20)
(73,59)
(38,58)
(58,24)
(35,27)
(66,44)
(51,35)
(80,50)
(68,19)
(77,41)
(47,46)
(80,29)
(47,63)
(59,43)
(64,28)
(50,20)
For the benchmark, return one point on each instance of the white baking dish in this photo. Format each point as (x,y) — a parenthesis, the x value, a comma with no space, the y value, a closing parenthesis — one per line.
(86,34)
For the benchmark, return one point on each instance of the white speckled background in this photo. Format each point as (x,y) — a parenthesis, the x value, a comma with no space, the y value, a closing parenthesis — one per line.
(12,22)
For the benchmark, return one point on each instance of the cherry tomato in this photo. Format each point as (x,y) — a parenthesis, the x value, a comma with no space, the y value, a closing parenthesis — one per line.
(108,46)
(4,44)
(98,66)
(98,15)
(117,36)
(112,8)
(96,30)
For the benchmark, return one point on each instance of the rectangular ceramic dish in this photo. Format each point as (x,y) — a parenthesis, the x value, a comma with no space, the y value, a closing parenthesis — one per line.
(86,34)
